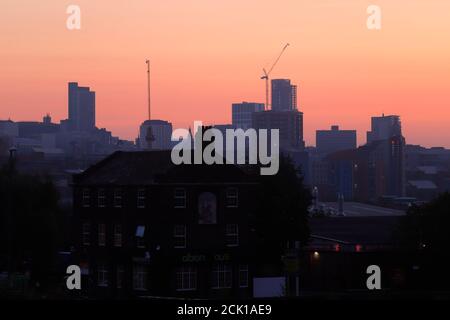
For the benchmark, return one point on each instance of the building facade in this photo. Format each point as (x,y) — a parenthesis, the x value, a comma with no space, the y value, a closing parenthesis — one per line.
(146,227)
(384,127)
(329,141)
(289,123)
(284,95)
(81,107)
(161,131)
(242,113)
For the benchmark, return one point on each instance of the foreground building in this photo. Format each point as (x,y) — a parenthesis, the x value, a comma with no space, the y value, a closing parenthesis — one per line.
(146,227)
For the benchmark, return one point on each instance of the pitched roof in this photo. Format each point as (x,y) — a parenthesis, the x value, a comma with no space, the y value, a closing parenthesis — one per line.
(147,167)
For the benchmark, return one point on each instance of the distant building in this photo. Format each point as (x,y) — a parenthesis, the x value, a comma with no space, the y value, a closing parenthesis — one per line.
(9,128)
(289,123)
(284,95)
(368,173)
(242,113)
(384,127)
(81,107)
(160,130)
(328,141)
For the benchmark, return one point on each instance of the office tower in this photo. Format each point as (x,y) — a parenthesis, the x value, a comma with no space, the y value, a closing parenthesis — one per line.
(284,95)
(81,107)
(289,123)
(384,127)
(242,113)
(161,131)
(329,141)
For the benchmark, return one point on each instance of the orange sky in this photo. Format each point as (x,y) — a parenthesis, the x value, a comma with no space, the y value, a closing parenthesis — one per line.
(207,54)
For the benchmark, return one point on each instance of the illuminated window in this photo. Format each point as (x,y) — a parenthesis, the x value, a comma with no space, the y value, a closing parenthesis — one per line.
(140,239)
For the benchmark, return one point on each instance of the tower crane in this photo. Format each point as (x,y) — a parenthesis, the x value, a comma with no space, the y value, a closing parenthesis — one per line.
(267,73)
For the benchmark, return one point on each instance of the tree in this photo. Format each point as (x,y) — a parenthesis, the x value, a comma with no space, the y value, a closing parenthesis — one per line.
(424,234)
(29,211)
(427,227)
(282,213)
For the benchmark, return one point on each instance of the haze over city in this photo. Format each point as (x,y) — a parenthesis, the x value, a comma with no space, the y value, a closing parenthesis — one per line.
(206,55)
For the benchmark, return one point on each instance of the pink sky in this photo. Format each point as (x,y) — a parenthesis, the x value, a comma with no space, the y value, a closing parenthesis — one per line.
(208,54)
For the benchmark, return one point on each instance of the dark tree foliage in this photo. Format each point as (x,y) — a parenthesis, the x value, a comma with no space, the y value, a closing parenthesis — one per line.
(28,224)
(282,207)
(424,234)
(427,227)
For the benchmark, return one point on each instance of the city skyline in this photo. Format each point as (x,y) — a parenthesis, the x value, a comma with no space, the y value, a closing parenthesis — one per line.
(345,73)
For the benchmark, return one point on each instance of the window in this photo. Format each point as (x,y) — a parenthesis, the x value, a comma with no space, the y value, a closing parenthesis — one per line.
(222,276)
(179,236)
(86,198)
(120,272)
(102,275)
(101,234)
(118,235)
(139,277)
(180,198)
(140,239)
(86,234)
(101,198)
(232,235)
(186,278)
(118,198)
(141,198)
(243,276)
(232,198)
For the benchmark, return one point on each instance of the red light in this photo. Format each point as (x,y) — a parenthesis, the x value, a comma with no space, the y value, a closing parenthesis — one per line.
(337,247)
(358,248)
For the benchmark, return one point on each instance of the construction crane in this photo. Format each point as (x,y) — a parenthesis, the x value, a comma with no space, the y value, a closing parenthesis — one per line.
(267,73)
(149,134)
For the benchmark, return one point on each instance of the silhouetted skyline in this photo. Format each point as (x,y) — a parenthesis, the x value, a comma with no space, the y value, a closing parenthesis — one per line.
(206,56)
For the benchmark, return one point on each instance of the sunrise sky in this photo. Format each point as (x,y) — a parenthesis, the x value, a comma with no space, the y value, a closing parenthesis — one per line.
(208,54)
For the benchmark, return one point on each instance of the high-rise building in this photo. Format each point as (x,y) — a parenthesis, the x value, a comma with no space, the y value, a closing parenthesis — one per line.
(161,131)
(81,107)
(289,123)
(384,127)
(284,95)
(242,113)
(329,141)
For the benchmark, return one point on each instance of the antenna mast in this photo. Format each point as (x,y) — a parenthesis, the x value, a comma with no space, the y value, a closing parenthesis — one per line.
(148,89)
